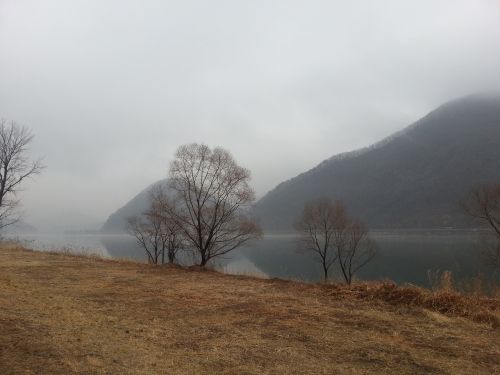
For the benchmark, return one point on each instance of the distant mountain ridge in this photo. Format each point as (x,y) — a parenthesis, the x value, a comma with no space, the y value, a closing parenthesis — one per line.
(412,179)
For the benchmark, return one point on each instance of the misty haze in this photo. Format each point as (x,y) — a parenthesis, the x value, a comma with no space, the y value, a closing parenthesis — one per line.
(249,187)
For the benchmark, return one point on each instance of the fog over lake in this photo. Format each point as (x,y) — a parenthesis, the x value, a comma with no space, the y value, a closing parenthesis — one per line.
(404,257)
(111,89)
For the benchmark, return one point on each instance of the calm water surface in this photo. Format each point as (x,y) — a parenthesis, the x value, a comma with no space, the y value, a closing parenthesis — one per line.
(402,257)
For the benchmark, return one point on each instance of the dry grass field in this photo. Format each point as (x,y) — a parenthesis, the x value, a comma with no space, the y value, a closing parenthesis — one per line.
(63,314)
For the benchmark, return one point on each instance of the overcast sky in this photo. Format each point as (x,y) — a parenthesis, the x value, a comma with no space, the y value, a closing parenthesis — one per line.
(112,88)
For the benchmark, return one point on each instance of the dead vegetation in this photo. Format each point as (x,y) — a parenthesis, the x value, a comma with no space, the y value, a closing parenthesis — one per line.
(447,302)
(62,314)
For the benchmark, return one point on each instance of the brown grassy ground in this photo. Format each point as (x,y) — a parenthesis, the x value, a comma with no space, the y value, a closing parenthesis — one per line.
(61,314)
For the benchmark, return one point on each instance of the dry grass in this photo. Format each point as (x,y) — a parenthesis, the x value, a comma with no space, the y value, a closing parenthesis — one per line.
(445,301)
(64,314)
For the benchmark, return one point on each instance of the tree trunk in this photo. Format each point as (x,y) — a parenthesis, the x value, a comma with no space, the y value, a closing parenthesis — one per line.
(204,259)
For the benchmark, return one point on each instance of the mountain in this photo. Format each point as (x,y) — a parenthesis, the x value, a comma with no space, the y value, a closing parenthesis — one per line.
(117,222)
(412,179)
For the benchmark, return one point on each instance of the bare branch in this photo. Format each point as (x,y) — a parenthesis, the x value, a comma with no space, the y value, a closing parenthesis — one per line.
(15,167)
(483,203)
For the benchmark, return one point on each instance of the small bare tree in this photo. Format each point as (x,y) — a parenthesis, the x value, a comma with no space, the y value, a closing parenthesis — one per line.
(483,203)
(320,222)
(161,208)
(155,231)
(213,193)
(492,253)
(15,167)
(147,234)
(354,249)
(326,230)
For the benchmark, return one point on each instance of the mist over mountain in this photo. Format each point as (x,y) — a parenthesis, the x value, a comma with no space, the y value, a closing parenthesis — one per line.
(117,221)
(412,179)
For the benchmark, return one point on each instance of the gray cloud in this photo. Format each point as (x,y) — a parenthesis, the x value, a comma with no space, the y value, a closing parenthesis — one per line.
(111,88)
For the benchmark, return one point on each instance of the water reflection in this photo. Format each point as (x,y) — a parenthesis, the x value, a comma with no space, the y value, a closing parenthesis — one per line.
(402,257)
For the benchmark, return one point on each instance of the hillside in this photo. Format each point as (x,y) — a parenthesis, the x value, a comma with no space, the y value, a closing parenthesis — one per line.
(117,221)
(64,314)
(413,179)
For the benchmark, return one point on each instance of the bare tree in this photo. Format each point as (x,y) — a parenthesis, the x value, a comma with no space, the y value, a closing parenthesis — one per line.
(320,222)
(147,235)
(492,253)
(213,193)
(155,231)
(354,249)
(326,230)
(483,203)
(161,210)
(15,167)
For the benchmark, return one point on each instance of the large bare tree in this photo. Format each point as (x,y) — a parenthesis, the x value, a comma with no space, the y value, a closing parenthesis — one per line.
(320,223)
(155,230)
(483,203)
(213,195)
(15,167)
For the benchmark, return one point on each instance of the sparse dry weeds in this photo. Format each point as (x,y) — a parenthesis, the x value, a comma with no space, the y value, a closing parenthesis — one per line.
(64,314)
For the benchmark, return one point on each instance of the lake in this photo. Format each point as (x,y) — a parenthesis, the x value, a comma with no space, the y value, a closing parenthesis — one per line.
(404,257)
